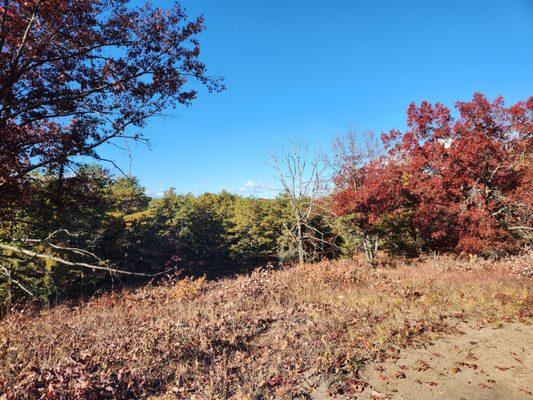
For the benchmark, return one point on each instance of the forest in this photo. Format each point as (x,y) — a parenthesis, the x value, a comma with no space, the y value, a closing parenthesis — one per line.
(457,179)
(449,184)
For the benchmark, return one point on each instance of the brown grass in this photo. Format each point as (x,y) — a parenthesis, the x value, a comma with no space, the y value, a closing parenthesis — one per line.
(273,333)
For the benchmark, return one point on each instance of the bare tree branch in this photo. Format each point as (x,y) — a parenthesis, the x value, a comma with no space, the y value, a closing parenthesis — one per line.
(300,175)
(69,263)
(10,279)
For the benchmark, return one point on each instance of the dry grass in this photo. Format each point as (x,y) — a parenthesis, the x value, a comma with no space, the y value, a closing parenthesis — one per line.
(270,334)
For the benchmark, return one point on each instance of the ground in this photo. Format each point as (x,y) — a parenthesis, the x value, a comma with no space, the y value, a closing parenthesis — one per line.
(434,328)
(486,363)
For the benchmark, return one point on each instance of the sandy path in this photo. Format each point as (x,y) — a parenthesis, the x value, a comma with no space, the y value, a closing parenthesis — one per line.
(487,363)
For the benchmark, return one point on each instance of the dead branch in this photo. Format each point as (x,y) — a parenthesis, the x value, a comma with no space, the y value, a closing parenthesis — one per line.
(70,263)
(10,278)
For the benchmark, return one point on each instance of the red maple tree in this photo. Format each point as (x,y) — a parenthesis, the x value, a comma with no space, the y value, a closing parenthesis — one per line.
(465,179)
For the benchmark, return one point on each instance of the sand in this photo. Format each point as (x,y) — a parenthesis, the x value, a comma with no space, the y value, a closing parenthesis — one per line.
(485,363)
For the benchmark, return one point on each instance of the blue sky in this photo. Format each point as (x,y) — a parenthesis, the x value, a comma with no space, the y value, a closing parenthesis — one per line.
(313,69)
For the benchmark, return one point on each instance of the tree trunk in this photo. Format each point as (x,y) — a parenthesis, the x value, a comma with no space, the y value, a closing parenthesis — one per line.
(301,255)
(370,246)
(9,298)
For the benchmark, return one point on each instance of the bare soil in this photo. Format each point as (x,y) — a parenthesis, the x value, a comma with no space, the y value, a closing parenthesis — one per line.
(486,363)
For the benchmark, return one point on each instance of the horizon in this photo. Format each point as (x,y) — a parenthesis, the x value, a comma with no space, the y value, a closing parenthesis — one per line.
(313,72)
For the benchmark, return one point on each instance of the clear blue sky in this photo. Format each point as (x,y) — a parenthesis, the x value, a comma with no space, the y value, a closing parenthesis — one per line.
(313,69)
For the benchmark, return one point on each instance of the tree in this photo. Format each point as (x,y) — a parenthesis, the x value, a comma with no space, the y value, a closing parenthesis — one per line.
(58,231)
(461,180)
(256,227)
(466,172)
(301,177)
(77,74)
(367,199)
(126,239)
(128,195)
(356,158)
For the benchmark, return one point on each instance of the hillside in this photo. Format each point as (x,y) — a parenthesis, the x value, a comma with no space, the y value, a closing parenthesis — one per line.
(209,200)
(317,331)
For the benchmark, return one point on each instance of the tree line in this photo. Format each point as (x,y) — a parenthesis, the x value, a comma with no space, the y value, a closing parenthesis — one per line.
(77,75)
(114,232)
(456,183)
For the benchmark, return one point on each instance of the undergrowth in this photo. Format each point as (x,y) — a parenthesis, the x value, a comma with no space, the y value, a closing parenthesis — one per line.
(270,334)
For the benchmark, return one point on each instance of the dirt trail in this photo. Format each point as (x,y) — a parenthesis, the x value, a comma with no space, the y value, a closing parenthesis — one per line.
(487,363)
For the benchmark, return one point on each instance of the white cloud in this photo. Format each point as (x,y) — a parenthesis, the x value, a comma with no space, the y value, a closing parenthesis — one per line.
(251,188)
(155,194)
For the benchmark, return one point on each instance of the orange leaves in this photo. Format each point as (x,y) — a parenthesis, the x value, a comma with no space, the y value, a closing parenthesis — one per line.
(188,288)
(270,333)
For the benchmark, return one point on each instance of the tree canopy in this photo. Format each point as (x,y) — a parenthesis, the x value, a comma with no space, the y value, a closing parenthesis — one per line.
(77,74)
(458,182)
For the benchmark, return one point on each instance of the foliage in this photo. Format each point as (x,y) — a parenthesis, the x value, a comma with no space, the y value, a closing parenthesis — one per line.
(73,208)
(113,219)
(447,184)
(75,75)
(451,183)
(256,227)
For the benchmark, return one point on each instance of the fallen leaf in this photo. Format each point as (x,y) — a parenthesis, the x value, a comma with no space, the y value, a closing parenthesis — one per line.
(400,375)
(467,365)
(358,385)
(503,368)
(275,381)
(470,356)
(421,365)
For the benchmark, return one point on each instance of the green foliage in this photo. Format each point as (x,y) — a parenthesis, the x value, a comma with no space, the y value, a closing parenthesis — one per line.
(396,234)
(71,210)
(256,228)
(117,222)
(128,195)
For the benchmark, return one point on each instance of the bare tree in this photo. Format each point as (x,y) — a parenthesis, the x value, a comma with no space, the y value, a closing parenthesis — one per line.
(349,154)
(300,172)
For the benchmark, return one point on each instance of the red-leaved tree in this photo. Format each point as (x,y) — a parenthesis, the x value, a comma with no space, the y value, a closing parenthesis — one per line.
(464,180)
(77,74)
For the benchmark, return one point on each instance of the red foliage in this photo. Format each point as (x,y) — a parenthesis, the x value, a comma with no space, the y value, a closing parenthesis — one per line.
(375,190)
(466,179)
(77,74)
